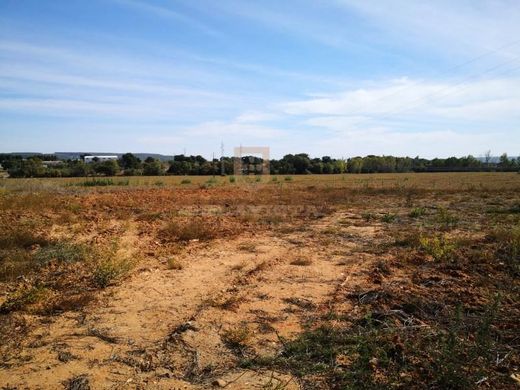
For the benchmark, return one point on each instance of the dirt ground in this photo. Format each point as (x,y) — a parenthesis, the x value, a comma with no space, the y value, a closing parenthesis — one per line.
(225,286)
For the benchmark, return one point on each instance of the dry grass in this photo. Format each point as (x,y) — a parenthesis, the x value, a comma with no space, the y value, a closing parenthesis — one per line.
(301,261)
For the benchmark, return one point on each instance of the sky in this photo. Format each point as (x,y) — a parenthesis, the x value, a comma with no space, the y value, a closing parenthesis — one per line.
(340,78)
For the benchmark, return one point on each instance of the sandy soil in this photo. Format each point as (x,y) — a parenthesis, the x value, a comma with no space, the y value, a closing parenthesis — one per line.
(164,328)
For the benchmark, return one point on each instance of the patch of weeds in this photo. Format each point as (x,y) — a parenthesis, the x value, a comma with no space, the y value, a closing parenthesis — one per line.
(274,179)
(438,247)
(446,218)
(14,263)
(388,218)
(417,212)
(194,229)
(247,247)
(185,181)
(20,236)
(271,219)
(62,252)
(288,178)
(232,179)
(301,261)
(368,217)
(159,183)
(23,297)
(79,382)
(97,183)
(237,338)
(175,264)
(109,269)
(508,247)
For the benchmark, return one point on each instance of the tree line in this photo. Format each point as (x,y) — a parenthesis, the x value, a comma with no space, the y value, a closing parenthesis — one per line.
(297,164)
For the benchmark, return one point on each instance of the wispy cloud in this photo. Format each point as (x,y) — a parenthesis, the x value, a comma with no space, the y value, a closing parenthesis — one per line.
(168,13)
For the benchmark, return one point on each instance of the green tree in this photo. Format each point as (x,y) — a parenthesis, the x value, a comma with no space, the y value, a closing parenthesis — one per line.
(152,167)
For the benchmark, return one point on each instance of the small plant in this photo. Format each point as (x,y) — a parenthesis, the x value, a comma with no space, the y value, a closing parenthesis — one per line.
(446,218)
(437,247)
(185,181)
(174,264)
(109,270)
(232,179)
(237,338)
(159,183)
(417,212)
(274,179)
(388,218)
(258,179)
(288,178)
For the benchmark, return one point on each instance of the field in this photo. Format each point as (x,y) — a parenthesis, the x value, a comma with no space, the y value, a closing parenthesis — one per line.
(275,282)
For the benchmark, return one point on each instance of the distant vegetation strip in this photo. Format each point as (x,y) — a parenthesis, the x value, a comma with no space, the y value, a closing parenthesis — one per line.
(130,165)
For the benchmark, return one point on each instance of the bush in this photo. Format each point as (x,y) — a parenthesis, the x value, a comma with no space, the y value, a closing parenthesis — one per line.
(185,181)
(437,247)
(109,269)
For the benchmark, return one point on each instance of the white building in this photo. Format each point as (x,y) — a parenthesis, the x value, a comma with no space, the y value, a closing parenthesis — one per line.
(90,159)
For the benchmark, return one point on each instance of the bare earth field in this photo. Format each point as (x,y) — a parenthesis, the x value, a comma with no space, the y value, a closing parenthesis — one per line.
(311,282)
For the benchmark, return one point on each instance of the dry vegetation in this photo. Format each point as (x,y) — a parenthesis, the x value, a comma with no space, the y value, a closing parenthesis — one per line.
(372,281)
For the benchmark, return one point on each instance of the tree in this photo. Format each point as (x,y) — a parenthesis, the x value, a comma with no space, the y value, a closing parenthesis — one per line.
(107,168)
(152,167)
(130,161)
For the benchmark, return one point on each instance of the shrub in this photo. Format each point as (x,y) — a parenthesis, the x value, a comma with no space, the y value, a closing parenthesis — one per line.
(288,178)
(232,179)
(437,247)
(109,269)
(185,181)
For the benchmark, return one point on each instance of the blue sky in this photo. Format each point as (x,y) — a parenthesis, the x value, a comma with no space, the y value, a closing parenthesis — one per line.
(328,77)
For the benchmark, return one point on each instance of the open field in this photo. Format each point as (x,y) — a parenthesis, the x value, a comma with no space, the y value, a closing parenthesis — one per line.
(281,282)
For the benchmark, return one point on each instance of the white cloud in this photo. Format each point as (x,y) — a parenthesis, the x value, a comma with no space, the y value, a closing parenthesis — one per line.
(483,99)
